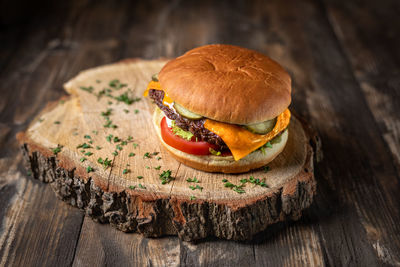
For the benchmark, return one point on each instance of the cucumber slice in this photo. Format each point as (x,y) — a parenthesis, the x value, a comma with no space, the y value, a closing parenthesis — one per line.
(261,127)
(186,113)
(154,78)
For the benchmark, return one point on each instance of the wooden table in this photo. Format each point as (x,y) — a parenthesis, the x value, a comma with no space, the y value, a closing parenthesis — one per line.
(345,62)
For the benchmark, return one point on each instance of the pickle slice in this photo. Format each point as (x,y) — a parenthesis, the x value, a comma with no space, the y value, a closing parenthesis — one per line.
(261,127)
(186,113)
(154,78)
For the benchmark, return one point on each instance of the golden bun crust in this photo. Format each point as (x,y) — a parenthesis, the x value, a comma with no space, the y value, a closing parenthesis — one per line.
(227,164)
(228,83)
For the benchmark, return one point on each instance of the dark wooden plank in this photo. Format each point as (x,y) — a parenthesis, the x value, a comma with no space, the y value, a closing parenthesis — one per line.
(352,197)
(37,229)
(101,245)
(353,219)
(369,35)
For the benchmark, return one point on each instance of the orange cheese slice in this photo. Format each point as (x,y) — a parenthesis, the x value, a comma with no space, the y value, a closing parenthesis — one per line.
(157,86)
(242,142)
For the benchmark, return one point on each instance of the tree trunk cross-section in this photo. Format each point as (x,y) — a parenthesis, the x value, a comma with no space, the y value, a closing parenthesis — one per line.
(129,194)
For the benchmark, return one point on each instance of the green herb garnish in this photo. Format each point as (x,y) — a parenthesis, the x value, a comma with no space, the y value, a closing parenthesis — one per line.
(87,89)
(140,177)
(131,154)
(57,149)
(84,145)
(142,186)
(194,180)
(57,122)
(89,169)
(196,187)
(192,197)
(166,177)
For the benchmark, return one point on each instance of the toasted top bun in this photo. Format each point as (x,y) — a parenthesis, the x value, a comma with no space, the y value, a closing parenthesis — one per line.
(227,83)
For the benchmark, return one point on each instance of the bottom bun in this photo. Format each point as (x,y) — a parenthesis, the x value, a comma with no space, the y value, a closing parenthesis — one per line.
(225,164)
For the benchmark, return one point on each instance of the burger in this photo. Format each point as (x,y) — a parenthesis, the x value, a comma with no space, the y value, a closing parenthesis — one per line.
(222,108)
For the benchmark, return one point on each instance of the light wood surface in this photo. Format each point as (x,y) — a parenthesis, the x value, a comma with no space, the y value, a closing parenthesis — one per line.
(79,119)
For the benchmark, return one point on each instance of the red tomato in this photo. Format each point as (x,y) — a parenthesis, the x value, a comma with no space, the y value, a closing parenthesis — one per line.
(190,147)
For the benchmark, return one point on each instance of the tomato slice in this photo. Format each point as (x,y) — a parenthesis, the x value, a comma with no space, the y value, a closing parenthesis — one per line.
(190,147)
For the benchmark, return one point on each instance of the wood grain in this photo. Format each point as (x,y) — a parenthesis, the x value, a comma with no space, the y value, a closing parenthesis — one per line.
(349,46)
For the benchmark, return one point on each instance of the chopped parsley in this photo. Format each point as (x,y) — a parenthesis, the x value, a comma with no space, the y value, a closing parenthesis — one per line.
(166,177)
(139,177)
(126,98)
(194,180)
(88,153)
(109,138)
(87,89)
(266,168)
(57,149)
(132,187)
(136,111)
(131,154)
(57,122)
(192,197)
(142,186)
(116,84)
(146,155)
(89,169)
(115,153)
(196,187)
(87,136)
(135,145)
(105,162)
(157,168)
(98,147)
(84,145)
(125,171)
(82,159)
(126,110)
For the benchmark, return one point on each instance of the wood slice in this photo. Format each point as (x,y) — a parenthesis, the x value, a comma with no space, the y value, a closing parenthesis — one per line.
(118,195)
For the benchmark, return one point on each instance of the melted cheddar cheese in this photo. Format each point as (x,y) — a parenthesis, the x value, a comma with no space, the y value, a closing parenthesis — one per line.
(156,85)
(240,141)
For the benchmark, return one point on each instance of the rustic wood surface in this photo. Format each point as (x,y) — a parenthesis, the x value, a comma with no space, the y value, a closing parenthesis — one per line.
(344,59)
(128,192)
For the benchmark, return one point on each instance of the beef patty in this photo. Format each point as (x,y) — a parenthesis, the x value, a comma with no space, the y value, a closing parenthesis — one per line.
(196,127)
